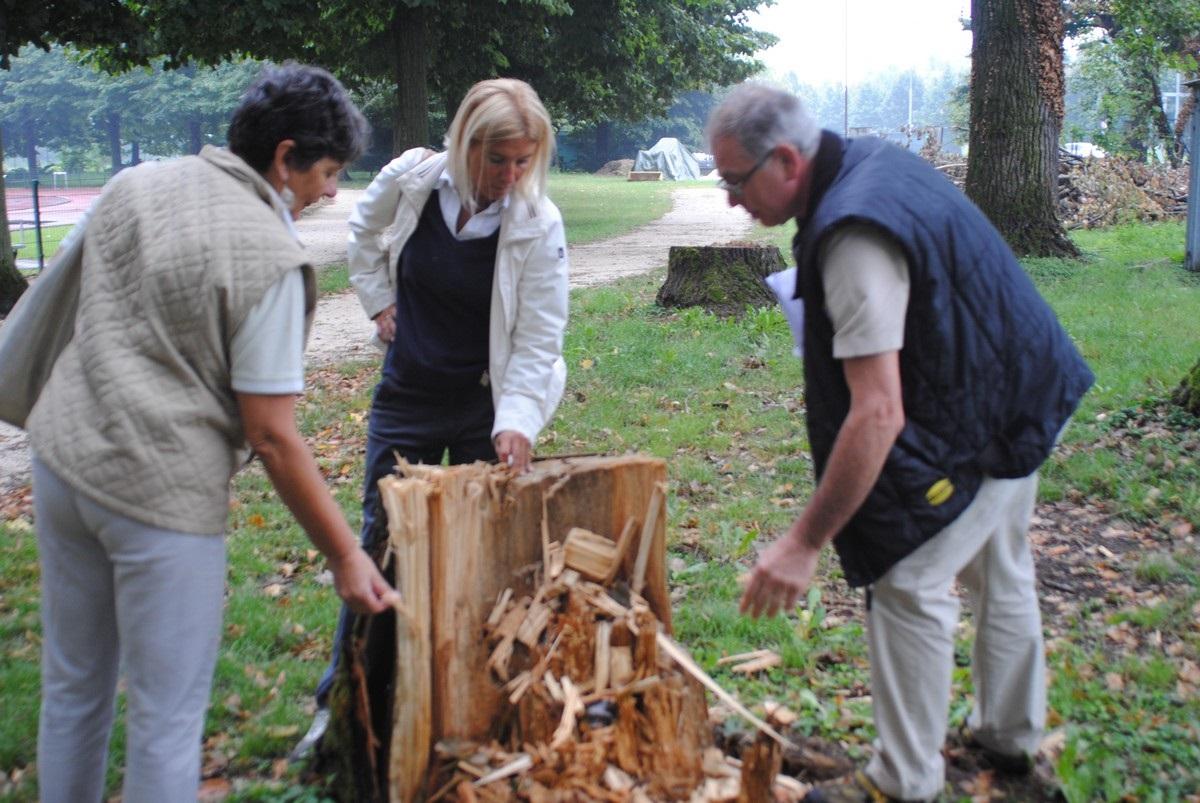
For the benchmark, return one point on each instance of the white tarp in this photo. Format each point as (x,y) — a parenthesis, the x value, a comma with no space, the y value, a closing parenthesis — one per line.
(669,157)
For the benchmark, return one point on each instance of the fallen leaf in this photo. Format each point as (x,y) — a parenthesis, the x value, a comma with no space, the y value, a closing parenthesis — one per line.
(213,790)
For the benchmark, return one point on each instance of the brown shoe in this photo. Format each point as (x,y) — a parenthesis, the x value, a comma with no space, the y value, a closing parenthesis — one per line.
(1003,763)
(854,788)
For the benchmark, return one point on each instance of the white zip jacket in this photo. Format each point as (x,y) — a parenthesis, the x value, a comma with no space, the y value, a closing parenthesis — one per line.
(529,286)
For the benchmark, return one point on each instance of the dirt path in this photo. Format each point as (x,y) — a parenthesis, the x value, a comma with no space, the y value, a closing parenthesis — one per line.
(699,216)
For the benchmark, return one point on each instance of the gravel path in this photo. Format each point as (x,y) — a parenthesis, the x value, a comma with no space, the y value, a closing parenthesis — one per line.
(698,216)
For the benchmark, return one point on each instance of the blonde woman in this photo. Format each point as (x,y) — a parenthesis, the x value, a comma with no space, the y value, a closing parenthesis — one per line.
(461,261)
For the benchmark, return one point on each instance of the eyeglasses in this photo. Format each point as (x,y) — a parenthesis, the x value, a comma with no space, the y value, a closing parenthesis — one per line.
(737,188)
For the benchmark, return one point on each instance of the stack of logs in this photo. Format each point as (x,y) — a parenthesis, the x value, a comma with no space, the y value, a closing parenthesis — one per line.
(607,706)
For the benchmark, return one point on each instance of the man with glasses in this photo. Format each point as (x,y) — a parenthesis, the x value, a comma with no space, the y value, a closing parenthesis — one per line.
(936,383)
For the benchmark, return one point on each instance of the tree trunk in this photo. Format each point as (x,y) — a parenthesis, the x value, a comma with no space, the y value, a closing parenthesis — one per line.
(1156,113)
(195,135)
(1187,395)
(411,63)
(12,283)
(1179,134)
(460,536)
(603,143)
(112,124)
(135,153)
(723,279)
(1017,88)
(31,151)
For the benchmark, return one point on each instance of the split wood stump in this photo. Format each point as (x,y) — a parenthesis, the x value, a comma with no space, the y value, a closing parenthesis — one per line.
(459,537)
(724,279)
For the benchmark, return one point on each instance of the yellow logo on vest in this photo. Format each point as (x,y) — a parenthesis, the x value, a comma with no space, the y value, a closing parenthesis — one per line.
(939,492)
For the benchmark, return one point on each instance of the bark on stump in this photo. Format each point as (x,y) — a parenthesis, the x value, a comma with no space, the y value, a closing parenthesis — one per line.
(724,279)
(1187,395)
(458,537)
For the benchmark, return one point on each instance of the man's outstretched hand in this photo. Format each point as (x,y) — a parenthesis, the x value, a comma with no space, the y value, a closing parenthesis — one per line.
(782,575)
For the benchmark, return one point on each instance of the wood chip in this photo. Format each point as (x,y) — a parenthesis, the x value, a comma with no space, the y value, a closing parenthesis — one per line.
(603,659)
(617,779)
(759,664)
(518,765)
(530,631)
(649,525)
(499,608)
(680,656)
(620,665)
(589,553)
(554,687)
(777,714)
(742,656)
(623,542)
(572,707)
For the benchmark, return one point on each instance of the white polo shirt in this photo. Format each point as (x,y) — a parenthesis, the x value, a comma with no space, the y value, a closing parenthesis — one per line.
(865,276)
(267,351)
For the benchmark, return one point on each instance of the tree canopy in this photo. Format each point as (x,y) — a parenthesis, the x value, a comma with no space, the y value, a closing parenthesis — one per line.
(1128,45)
(605,59)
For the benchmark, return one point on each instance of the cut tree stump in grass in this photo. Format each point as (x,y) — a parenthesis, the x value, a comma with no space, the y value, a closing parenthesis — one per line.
(723,279)
(1187,395)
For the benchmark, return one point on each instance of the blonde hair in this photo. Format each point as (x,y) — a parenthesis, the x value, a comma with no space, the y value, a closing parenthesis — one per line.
(494,111)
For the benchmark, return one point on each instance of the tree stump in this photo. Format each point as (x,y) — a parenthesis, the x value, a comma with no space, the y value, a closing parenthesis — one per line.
(724,279)
(1187,395)
(459,536)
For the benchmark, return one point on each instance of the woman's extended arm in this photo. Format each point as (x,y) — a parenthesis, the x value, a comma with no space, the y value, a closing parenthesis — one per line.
(270,426)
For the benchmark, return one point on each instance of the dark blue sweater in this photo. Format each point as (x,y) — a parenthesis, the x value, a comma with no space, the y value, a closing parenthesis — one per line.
(443,306)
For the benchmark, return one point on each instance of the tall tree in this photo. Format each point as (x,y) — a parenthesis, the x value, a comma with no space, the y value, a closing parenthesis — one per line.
(620,59)
(1017,91)
(1144,39)
(44,101)
(42,23)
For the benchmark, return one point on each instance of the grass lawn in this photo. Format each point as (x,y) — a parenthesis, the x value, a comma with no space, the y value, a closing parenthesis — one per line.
(52,237)
(594,207)
(722,401)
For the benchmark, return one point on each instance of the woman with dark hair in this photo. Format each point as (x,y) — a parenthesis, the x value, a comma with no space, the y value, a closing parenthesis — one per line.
(194,299)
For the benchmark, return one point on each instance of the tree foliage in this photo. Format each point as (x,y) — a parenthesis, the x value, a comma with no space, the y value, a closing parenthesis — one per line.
(1129,45)
(44,102)
(603,59)
(85,23)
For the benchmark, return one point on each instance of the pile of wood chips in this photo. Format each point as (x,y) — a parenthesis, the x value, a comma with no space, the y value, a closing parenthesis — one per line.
(1094,192)
(605,705)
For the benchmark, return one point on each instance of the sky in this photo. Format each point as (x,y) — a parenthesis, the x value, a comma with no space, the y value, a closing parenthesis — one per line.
(824,40)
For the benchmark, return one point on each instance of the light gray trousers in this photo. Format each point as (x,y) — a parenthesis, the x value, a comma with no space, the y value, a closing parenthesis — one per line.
(910,627)
(118,593)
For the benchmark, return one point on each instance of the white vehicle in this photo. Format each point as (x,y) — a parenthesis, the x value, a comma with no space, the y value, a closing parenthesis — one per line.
(1084,149)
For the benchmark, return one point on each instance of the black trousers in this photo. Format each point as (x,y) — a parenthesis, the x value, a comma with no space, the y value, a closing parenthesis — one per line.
(422,426)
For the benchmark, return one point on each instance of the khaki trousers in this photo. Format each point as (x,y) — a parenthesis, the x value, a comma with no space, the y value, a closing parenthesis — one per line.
(911,620)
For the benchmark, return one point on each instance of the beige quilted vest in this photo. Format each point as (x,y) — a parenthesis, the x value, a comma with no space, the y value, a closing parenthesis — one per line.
(138,412)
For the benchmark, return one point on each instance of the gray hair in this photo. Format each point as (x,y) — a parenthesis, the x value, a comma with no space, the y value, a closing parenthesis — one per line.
(759,117)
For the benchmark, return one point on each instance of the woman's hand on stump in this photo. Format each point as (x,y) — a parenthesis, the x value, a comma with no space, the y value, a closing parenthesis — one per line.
(359,583)
(513,449)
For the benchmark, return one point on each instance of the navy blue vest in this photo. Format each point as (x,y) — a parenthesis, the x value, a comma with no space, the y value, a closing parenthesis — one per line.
(443,306)
(988,375)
